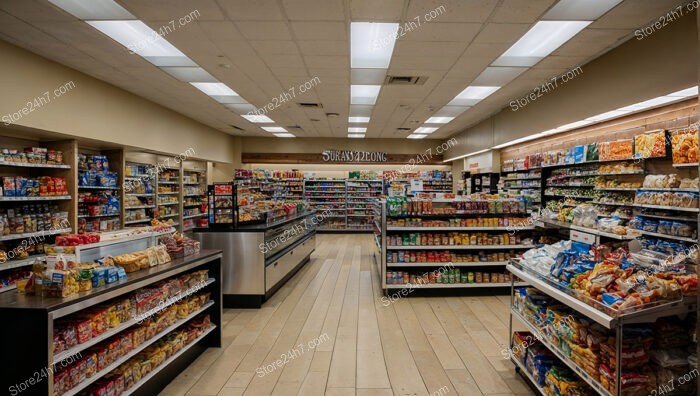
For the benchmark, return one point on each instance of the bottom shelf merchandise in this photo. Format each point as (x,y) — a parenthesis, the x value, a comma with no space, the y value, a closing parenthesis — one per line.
(444,275)
(652,354)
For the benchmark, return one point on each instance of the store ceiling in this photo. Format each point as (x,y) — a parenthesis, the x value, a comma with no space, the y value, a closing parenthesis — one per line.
(262,48)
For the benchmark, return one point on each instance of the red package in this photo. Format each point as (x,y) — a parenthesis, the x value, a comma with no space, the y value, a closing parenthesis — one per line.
(83,329)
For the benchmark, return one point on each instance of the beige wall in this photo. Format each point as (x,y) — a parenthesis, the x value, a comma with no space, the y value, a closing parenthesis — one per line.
(317,145)
(93,109)
(637,70)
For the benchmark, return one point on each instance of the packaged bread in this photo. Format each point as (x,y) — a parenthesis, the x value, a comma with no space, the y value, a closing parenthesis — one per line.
(651,144)
(684,146)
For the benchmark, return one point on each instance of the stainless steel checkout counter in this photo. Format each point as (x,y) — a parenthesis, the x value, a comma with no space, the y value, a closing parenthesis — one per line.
(259,258)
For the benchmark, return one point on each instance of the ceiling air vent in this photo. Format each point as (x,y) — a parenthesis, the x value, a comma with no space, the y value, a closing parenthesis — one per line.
(405,80)
(403,129)
(235,127)
(311,105)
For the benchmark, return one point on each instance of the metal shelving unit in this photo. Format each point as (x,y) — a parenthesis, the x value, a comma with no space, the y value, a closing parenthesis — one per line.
(607,317)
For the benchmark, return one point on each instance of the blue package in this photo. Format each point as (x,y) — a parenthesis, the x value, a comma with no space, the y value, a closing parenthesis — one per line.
(579,154)
(609,299)
(112,275)
(98,276)
(121,273)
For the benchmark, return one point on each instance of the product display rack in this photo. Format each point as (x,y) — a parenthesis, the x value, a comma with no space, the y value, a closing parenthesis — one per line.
(608,318)
(16,266)
(169,195)
(360,195)
(328,195)
(139,193)
(193,181)
(384,234)
(35,317)
(91,196)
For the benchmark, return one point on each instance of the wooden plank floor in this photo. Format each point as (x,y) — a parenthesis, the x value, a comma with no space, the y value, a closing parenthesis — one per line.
(328,331)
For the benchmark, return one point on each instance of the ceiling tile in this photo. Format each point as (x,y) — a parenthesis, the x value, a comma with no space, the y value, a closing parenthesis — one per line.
(438,31)
(220,30)
(376,11)
(422,63)
(252,10)
(275,47)
(293,61)
(521,11)
(328,62)
(200,10)
(264,30)
(429,49)
(324,10)
(450,10)
(324,47)
(502,33)
(35,11)
(320,31)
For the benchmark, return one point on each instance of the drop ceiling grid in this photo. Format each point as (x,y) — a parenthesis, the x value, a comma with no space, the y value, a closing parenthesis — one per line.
(272,45)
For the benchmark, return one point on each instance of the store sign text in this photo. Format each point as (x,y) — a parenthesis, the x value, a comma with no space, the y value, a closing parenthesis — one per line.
(353,156)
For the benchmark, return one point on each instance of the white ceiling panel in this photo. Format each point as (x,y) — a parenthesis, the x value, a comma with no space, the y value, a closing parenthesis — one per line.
(304,10)
(199,10)
(429,49)
(252,10)
(439,31)
(220,30)
(264,30)
(422,62)
(36,11)
(376,11)
(313,31)
(275,47)
(451,10)
(314,47)
(636,14)
(521,11)
(501,33)
(341,63)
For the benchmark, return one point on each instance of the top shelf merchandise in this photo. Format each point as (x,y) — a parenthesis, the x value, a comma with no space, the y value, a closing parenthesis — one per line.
(330,196)
(529,162)
(423,181)
(360,195)
(168,199)
(194,212)
(99,200)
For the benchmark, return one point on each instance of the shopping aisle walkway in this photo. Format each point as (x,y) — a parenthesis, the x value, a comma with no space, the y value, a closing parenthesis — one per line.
(339,337)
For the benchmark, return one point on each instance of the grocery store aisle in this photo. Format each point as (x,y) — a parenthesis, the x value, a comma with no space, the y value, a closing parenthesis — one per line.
(329,331)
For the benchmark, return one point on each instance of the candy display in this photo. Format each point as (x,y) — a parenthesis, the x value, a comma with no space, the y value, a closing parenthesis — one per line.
(444,276)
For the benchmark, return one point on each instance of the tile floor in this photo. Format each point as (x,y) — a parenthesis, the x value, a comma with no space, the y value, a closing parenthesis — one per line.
(329,331)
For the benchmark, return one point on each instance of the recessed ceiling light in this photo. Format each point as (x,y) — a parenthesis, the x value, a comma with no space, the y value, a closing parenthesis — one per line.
(451,111)
(284,135)
(425,130)
(356,135)
(685,93)
(258,119)
(439,120)
(540,41)
(357,129)
(364,94)
(361,110)
(190,74)
(371,44)
(415,136)
(472,95)
(498,76)
(137,37)
(586,10)
(93,9)
(238,108)
(358,119)
(215,89)
(274,129)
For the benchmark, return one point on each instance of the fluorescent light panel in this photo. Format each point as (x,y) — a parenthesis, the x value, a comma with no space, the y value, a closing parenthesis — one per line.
(476,92)
(274,129)
(93,9)
(416,136)
(364,94)
(358,119)
(137,37)
(215,89)
(357,130)
(190,74)
(371,44)
(425,130)
(258,119)
(466,155)
(284,135)
(582,10)
(356,135)
(439,120)
(541,40)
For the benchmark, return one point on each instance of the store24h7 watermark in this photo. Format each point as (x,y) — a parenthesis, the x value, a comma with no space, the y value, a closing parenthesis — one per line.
(37,103)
